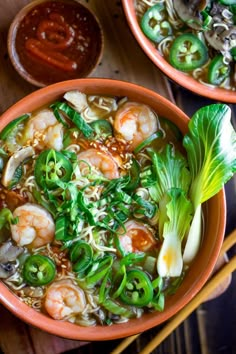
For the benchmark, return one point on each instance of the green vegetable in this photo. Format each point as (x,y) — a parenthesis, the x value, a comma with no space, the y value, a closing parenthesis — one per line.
(176,212)
(233,53)
(119,281)
(188,52)
(102,128)
(170,169)
(98,270)
(148,141)
(12,127)
(134,176)
(73,115)
(116,309)
(170,126)
(81,256)
(51,167)
(218,71)
(158,301)
(16,177)
(6,217)
(211,152)
(138,289)
(38,270)
(154,23)
(227,2)
(62,224)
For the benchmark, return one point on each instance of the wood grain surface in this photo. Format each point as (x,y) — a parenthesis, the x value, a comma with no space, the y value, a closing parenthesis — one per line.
(122,59)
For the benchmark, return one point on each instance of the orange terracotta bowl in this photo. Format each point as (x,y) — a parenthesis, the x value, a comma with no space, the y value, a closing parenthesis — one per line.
(214,209)
(179,77)
(51,41)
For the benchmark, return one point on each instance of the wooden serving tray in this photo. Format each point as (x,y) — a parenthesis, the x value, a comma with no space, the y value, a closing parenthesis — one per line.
(122,59)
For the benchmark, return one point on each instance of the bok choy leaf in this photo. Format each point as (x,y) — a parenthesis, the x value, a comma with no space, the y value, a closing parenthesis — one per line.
(211,153)
(170,170)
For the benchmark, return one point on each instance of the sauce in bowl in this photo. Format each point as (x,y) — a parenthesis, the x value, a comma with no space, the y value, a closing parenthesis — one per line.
(54,41)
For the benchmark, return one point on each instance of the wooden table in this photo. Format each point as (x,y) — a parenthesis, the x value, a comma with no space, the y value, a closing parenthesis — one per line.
(122,59)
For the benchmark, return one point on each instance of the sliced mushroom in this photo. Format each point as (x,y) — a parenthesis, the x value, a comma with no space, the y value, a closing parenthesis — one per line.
(6,270)
(221,39)
(15,160)
(190,11)
(77,99)
(9,252)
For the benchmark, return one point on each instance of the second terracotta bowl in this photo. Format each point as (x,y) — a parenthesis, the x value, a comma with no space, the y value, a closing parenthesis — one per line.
(179,77)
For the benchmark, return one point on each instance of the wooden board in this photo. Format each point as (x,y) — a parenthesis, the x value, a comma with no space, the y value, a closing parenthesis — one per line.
(122,59)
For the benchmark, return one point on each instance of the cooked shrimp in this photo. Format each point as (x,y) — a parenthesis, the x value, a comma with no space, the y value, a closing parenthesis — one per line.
(63,299)
(35,226)
(44,130)
(134,123)
(103,162)
(138,238)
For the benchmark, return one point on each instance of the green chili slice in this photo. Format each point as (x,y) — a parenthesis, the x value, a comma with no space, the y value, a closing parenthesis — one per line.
(218,71)
(102,128)
(138,290)
(81,256)
(52,166)
(154,23)
(188,52)
(10,128)
(38,270)
(119,281)
(148,141)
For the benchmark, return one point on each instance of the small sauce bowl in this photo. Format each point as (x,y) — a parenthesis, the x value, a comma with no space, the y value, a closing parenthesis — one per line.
(51,41)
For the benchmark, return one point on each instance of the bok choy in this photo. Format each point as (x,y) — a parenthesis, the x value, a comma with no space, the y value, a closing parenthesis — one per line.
(169,185)
(178,215)
(211,153)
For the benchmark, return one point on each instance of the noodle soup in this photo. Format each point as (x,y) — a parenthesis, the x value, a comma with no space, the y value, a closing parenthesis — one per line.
(85,215)
(196,38)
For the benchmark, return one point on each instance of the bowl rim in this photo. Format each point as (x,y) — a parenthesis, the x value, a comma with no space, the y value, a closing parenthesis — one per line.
(101,333)
(12,34)
(214,93)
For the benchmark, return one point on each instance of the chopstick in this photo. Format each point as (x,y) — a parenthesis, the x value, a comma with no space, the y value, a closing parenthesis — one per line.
(191,306)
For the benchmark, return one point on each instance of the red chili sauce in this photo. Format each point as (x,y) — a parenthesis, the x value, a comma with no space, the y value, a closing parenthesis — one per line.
(58,40)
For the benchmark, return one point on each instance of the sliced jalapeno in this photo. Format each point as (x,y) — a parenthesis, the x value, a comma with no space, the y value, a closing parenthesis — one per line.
(148,141)
(188,52)
(218,71)
(102,128)
(138,290)
(81,255)
(38,270)
(10,128)
(154,23)
(52,166)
